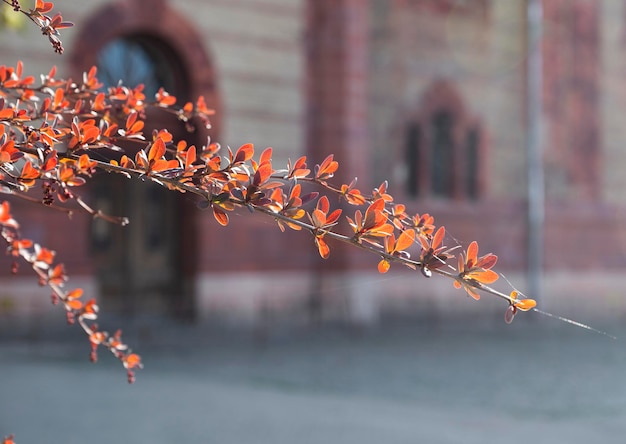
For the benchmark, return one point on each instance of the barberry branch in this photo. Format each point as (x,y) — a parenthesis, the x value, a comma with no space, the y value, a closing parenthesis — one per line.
(52,134)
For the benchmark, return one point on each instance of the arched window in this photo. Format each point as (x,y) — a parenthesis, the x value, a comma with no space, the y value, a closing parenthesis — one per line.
(443,148)
(142,59)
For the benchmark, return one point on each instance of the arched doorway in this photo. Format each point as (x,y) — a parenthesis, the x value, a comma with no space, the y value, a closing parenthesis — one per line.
(148,266)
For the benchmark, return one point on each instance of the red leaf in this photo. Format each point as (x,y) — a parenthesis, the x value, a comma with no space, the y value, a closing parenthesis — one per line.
(438,238)
(132,361)
(327,168)
(323,205)
(472,253)
(74,304)
(157,150)
(263,172)
(74,294)
(322,247)
(244,153)
(405,240)
(333,217)
(6,113)
(43,7)
(384,266)
(220,216)
(266,156)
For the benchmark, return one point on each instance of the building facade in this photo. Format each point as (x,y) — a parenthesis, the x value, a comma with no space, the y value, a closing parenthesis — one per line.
(430,95)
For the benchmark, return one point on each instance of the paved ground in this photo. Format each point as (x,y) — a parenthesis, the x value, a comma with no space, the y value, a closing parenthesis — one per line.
(528,383)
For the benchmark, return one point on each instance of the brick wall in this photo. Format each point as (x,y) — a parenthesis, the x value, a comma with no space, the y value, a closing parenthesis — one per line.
(572,97)
(478,50)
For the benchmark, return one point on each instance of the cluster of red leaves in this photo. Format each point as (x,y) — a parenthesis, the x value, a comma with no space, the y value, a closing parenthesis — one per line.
(49,26)
(474,271)
(50,135)
(53,275)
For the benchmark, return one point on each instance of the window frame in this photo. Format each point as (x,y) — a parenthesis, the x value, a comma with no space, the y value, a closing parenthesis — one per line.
(466,165)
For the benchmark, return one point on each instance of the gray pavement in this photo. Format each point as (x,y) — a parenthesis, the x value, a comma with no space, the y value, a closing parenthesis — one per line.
(527,383)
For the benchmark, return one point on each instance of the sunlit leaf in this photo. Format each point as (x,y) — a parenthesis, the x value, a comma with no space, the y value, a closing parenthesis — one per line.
(244,153)
(384,266)
(322,247)
(220,216)
(405,240)
(131,361)
(525,304)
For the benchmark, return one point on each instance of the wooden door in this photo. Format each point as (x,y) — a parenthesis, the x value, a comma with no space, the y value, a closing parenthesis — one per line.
(139,266)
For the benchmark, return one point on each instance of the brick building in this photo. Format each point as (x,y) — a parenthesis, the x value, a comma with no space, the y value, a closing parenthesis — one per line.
(429,94)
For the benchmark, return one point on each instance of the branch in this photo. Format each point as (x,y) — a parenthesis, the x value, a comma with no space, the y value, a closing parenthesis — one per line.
(53,275)
(50,135)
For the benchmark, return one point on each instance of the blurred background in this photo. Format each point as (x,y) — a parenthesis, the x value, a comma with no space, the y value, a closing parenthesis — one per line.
(503,119)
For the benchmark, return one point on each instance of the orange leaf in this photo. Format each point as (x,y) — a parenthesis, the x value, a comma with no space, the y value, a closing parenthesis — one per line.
(472,253)
(322,247)
(244,153)
(319,218)
(157,150)
(405,240)
(91,306)
(131,119)
(190,157)
(384,266)
(57,275)
(137,127)
(220,216)
(29,172)
(266,156)
(43,7)
(91,134)
(323,205)
(46,256)
(74,294)
(74,304)
(327,168)
(97,337)
(525,304)
(262,173)
(334,216)
(438,238)
(131,361)
(85,164)
(483,276)
(6,113)
(5,215)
